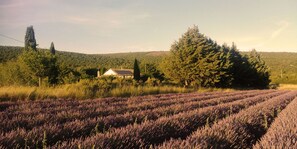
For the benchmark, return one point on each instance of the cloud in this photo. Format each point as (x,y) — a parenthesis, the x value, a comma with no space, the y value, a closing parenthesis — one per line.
(79,20)
(15,13)
(10,5)
(21,4)
(107,19)
(260,40)
(96,13)
(282,26)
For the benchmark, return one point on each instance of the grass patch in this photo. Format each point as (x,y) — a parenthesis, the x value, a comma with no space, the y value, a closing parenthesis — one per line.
(287,87)
(89,90)
(79,91)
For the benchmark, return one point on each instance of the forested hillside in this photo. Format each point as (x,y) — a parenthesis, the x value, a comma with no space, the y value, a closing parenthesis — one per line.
(8,53)
(72,59)
(283,65)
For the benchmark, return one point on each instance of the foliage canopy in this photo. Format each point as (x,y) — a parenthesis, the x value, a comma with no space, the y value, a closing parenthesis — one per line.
(199,61)
(40,64)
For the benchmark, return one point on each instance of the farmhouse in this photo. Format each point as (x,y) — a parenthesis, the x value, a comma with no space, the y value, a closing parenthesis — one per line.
(123,73)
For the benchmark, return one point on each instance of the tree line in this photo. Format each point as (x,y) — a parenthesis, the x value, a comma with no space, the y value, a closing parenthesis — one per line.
(195,60)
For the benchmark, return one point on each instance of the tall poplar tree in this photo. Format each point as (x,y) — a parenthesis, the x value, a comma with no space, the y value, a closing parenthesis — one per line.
(30,41)
(136,72)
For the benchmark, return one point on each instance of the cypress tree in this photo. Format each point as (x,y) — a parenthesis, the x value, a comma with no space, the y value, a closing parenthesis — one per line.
(30,41)
(53,70)
(52,49)
(102,70)
(136,72)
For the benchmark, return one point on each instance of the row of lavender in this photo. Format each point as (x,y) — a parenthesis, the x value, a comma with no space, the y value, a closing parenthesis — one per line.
(28,118)
(244,129)
(48,106)
(176,126)
(153,123)
(73,129)
(283,131)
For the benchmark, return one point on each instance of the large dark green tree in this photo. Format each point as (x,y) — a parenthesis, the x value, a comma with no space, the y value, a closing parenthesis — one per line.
(240,68)
(248,70)
(198,61)
(30,41)
(259,72)
(136,72)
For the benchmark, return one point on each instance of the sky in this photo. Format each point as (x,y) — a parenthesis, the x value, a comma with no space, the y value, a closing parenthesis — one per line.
(113,26)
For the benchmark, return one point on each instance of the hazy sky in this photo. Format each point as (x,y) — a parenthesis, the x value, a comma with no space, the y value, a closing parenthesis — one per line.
(109,26)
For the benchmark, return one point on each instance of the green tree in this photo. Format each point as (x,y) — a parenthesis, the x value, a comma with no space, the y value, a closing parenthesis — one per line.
(240,69)
(102,70)
(151,71)
(88,73)
(136,72)
(197,60)
(68,74)
(52,49)
(248,70)
(39,63)
(54,69)
(14,73)
(259,71)
(30,41)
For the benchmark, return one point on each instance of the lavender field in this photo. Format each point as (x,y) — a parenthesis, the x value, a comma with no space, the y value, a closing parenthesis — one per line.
(238,119)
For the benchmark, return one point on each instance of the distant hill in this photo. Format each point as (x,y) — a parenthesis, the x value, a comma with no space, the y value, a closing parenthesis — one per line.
(72,59)
(283,65)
